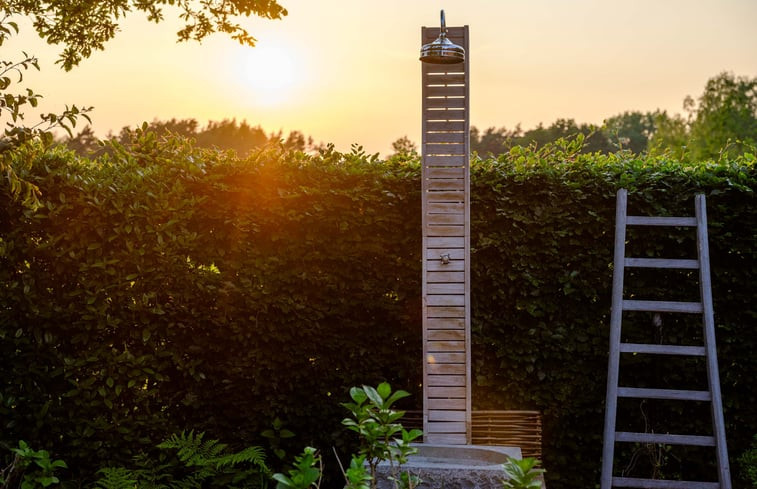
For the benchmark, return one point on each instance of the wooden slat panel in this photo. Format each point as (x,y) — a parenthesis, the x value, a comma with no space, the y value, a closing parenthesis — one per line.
(446,312)
(444,208)
(445,231)
(449,103)
(448,91)
(444,172)
(694,351)
(445,300)
(445,126)
(662,484)
(439,266)
(445,149)
(663,306)
(446,392)
(446,380)
(446,323)
(661,221)
(508,428)
(440,78)
(661,263)
(446,439)
(445,196)
(445,160)
(446,369)
(445,137)
(690,440)
(442,346)
(436,277)
(446,184)
(454,253)
(447,427)
(435,415)
(672,394)
(446,335)
(445,219)
(445,242)
(444,114)
(446,358)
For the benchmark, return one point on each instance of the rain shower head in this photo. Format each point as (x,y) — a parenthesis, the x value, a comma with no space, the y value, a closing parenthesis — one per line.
(442,50)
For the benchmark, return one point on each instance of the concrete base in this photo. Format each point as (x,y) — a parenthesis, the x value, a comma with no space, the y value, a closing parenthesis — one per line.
(454,466)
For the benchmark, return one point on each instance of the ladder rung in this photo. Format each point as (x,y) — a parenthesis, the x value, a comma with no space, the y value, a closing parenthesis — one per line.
(701,441)
(661,221)
(661,263)
(674,394)
(662,484)
(663,306)
(694,351)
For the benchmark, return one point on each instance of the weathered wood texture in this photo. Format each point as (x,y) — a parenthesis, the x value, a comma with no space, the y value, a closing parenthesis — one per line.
(446,247)
(503,428)
(707,350)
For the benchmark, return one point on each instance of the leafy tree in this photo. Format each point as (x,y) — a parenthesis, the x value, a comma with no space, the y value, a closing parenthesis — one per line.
(404,146)
(726,117)
(630,130)
(671,133)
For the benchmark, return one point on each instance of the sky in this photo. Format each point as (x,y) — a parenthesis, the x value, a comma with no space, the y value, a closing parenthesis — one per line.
(347,71)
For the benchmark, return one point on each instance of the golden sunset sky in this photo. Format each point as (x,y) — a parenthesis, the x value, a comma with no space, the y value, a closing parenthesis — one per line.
(347,71)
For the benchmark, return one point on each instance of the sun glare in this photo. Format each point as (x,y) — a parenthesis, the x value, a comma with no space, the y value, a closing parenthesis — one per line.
(270,74)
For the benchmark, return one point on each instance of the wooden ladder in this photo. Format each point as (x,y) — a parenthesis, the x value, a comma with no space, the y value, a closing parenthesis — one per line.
(617,346)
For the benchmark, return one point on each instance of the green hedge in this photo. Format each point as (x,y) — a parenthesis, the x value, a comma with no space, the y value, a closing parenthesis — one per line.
(168,288)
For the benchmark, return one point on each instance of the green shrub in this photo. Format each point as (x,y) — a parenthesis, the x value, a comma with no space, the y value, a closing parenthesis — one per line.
(166,287)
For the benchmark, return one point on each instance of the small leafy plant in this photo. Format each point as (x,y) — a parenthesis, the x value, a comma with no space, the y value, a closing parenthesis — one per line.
(306,473)
(382,437)
(522,474)
(30,469)
(187,460)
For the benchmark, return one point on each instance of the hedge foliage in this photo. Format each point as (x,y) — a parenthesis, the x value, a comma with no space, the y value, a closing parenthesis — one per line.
(166,287)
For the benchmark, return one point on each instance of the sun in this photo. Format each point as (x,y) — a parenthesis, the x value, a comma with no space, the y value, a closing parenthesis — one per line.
(270,74)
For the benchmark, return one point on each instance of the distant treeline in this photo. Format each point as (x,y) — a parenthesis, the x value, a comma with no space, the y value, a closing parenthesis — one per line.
(226,134)
(722,121)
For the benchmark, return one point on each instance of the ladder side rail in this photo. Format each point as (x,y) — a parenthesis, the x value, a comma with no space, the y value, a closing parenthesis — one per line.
(713,375)
(616,316)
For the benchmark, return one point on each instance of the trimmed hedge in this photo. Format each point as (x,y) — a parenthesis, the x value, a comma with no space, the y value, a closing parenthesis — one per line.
(167,288)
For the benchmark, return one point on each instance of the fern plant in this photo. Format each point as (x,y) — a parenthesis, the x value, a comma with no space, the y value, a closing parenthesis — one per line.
(188,461)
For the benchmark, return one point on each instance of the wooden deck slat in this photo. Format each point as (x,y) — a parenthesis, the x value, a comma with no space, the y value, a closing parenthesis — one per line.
(661,263)
(445,149)
(451,102)
(436,265)
(437,277)
(445,300)
(447,91)
(434,415)
(445,288)
(446,380)
(446,335)
(444,126)
(446,392)
(445,219)
(694,351)
(662,484)
(663,306)
(446,196)
(446,439)
(437,231)
(446,369)
(445,311)
(661,221)
(439,78)
(671,394)
(445,208)
(447,427)
(446,323)
(668,439)
(445,184)
(446,137)
(434,358)
(446,346)
(445,243)
(454,253)
(439,172)
(446,403)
